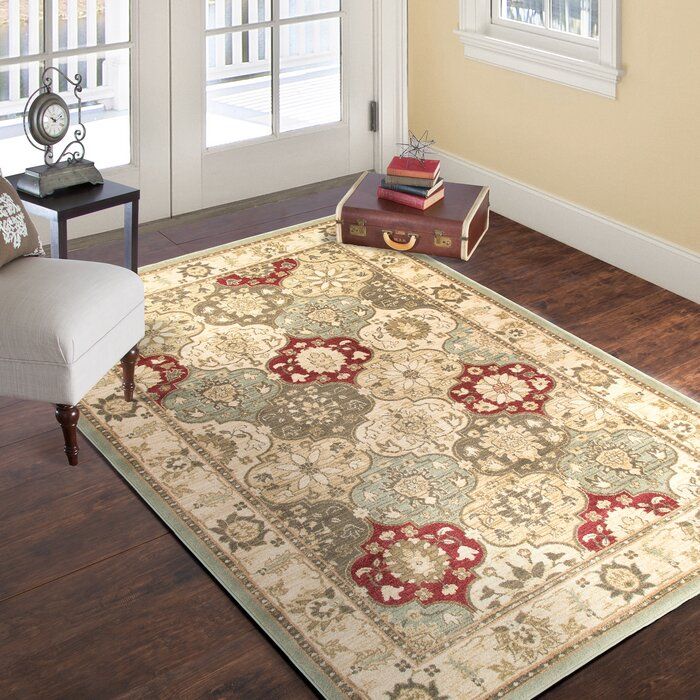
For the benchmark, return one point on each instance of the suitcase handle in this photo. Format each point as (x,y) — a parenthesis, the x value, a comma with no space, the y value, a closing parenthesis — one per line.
(399,246)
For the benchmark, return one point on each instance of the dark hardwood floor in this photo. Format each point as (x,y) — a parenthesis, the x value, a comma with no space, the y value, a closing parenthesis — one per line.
(98,599)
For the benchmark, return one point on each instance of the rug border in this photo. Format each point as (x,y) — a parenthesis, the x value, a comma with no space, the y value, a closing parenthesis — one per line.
(594,648)
(271,627)
(263,619)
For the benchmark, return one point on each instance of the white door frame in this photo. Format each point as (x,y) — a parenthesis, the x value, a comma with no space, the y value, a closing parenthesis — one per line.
(391,78)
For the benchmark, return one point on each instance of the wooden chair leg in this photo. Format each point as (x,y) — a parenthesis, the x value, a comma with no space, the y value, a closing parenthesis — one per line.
(128,366)
(67,416)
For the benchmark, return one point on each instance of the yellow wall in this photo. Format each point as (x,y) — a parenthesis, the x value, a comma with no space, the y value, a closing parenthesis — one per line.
(635,159)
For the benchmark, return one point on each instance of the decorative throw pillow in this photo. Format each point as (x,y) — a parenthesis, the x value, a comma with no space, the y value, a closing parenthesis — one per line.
(18,235)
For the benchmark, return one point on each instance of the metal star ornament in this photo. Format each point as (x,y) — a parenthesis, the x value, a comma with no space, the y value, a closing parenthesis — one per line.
(416,147)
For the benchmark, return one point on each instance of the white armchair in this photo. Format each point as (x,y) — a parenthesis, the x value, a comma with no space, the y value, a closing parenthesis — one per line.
(63,325)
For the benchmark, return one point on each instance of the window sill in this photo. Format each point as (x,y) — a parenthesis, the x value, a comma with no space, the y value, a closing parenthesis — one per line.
(558,68)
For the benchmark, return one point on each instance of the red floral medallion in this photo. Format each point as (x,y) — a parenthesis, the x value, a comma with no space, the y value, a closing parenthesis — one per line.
(515,388)
(167,373)
(305,360)
(280,270)
(430,564)
(609,518)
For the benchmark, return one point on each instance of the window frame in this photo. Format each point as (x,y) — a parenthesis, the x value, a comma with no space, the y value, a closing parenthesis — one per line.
(549,54)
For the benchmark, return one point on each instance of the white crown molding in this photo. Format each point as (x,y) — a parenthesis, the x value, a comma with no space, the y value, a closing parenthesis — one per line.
(670,266)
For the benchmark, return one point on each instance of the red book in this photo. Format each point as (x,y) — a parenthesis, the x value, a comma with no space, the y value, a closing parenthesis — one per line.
(412,167)
(411,200)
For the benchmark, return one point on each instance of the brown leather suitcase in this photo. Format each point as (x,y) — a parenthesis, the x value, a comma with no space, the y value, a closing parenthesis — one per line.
(453,227)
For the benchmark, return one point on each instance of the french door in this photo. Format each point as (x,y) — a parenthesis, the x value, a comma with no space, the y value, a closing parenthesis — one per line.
(267,95)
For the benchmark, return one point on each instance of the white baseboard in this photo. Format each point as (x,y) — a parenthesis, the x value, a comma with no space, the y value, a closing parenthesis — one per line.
(669,266)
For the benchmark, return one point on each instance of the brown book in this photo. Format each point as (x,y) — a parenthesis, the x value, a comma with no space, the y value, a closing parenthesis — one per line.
(453,227)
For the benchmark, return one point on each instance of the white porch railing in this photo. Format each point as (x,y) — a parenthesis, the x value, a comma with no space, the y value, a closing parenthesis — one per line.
(230,55)
(81,24)
(87,22)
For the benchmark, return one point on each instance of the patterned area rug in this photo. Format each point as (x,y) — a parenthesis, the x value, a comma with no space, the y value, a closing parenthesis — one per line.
(417,488)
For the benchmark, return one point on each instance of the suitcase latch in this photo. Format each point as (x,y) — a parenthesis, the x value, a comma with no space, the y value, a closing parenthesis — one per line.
(441,240)
(359,229)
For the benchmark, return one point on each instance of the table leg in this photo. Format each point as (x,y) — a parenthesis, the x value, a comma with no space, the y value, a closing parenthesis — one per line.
(131,235)
(59,239)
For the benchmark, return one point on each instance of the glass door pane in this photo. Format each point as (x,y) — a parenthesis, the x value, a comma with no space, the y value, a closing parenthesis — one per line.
(106,98)
(82,23)
(236,13)
(287,97)
(300,8)
(21,27)
(277,70)
(17,82)
(106,94)
(310,74)
(239,86)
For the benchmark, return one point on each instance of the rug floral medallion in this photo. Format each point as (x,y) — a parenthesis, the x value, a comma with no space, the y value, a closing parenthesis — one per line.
(418,489)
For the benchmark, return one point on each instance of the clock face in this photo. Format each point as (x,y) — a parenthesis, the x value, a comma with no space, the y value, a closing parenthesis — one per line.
(54,121)
(48,119)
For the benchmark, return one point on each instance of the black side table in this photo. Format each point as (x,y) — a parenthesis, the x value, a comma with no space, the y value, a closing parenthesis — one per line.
(58,208)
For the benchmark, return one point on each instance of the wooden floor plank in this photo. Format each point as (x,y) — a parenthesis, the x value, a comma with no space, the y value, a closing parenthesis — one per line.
(145,623)
(98,608)
(624,315)
(153,247)
(342,183)
(32,458)
(252,230)
(262,217)
(240,678)
(67,520)
(24,419)
(638,333)
(684,377)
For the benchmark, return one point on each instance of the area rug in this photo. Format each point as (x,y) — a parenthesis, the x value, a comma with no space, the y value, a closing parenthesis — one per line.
(417,488)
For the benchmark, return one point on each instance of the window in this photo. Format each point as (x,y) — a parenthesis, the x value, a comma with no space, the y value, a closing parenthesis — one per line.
(90,37)
(273,66)
(573,42)
(576,18)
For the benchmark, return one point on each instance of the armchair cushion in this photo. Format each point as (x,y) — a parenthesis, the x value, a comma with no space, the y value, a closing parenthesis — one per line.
(65,324)
(18,235)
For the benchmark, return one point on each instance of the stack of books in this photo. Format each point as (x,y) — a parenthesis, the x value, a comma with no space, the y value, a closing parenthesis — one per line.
(413,183)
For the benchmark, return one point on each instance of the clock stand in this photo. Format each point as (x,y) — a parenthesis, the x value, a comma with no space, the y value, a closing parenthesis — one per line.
(46,122)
